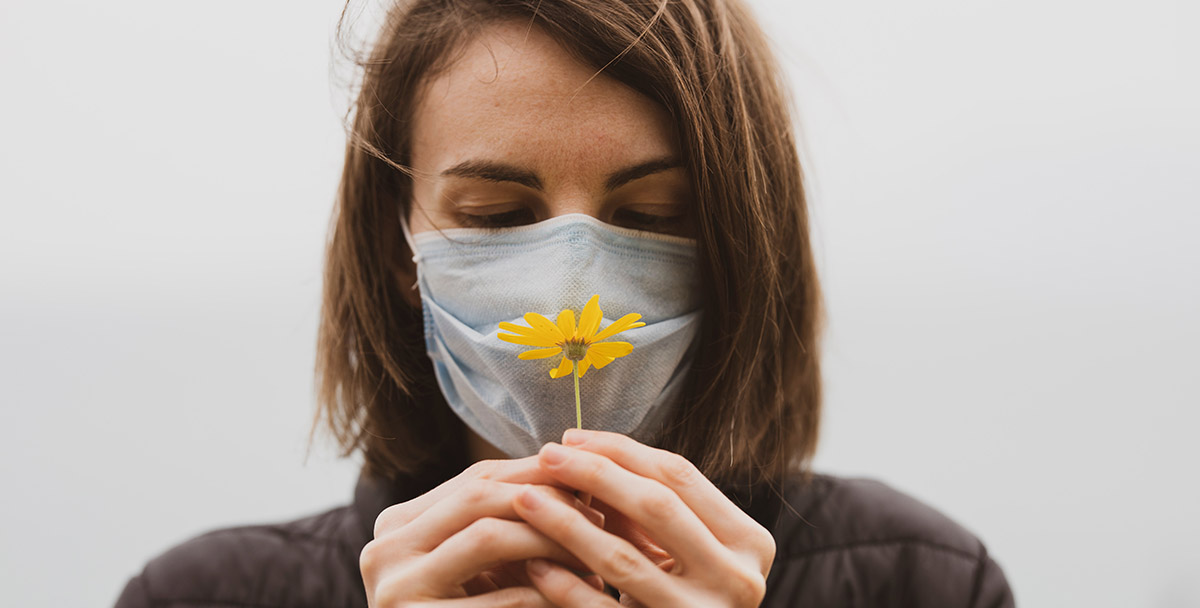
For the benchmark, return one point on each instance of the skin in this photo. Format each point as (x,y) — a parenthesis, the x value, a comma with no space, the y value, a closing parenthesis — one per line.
(514,532)
(516,98)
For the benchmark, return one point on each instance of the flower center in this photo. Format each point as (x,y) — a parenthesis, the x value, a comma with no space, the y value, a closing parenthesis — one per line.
(575,349)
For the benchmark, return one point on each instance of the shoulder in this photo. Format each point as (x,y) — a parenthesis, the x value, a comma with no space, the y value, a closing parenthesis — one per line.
(311,561)
(860,542)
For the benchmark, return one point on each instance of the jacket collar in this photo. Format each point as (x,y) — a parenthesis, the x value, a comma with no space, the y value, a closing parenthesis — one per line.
(373,494)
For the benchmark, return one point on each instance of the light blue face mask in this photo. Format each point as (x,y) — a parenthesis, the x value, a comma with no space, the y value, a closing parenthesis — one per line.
(472,279)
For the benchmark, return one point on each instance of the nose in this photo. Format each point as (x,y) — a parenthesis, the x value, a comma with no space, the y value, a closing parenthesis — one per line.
(575,201)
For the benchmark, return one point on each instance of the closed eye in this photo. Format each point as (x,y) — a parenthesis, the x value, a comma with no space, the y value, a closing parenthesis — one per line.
(670,223)
(505,219)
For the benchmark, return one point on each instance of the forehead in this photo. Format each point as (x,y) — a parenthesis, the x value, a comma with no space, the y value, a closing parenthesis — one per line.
(513,92)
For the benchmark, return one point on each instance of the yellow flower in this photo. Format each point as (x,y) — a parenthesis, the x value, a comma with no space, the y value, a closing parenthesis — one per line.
(582,343)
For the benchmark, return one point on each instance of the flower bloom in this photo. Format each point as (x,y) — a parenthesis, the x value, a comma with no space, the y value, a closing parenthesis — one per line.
(580,343)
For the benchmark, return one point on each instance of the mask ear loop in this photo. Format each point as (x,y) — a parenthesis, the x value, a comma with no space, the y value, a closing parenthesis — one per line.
(412,244)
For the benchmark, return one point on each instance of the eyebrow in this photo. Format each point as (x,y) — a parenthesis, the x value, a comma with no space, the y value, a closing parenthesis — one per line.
(500,172)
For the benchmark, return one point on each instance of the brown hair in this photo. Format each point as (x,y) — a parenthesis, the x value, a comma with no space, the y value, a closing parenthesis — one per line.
(752,406)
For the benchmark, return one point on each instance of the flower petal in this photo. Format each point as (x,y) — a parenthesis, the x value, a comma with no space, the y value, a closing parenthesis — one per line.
(563,369)
(611,350)
(598,360)
(518,329)
(589,319)
(628,321)
(583,366)
(543,326)
(538,340)
(566,323)
(541,353)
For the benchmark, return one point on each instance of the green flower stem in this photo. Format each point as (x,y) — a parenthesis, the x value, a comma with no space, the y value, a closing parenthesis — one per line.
(578,411)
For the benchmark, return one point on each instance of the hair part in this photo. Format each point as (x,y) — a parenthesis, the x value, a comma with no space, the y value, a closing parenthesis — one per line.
(751,409)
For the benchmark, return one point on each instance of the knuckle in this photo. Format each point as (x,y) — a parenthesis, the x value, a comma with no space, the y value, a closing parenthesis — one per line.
(484,532)
(758,548)
(679,471)
(659,505)
(390,518)
(483,469)
(368,559)
(592,471)
(767,547)
(477,490)
(746,588)
(621,564)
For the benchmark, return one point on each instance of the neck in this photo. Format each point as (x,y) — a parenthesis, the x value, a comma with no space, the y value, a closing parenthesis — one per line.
(479,449)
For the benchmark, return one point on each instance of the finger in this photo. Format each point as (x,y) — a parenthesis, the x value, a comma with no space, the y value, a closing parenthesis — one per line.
(650,504)
(519,470)
(486,544)
(475,500)
(617,523)
(731,526)
(610,556)
(563,588)
(593,580)
(512,596)
(510,574)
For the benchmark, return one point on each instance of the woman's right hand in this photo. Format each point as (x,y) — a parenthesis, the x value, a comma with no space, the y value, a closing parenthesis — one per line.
(462,541)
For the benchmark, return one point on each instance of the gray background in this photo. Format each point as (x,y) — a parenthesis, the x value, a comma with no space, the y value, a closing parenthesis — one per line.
(1005,206)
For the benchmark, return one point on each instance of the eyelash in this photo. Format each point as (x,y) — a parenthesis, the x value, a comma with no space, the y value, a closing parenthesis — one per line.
(623,217)
(507,219)
(648,221)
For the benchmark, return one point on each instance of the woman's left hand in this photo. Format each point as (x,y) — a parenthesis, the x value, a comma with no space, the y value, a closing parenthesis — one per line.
(712,553)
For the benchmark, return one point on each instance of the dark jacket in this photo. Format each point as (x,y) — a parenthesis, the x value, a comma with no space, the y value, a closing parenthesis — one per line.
(842,542)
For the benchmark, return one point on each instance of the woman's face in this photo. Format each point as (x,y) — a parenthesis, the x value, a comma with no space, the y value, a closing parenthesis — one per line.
(509,135)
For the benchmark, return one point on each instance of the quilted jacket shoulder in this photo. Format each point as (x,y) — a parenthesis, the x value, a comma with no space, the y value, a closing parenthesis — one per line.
(859,542)
(311,561)
(840,542)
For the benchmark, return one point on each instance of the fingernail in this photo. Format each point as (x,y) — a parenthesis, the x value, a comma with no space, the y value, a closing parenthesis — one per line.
(574,437)
(538,567)
(530,498)
(595,517)
(552,453)
(595,581)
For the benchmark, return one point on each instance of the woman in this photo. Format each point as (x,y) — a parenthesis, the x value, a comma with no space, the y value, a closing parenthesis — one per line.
(520,156)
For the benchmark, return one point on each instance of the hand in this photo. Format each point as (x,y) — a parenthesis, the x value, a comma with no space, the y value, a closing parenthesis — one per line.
(464,540)
(685,543)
